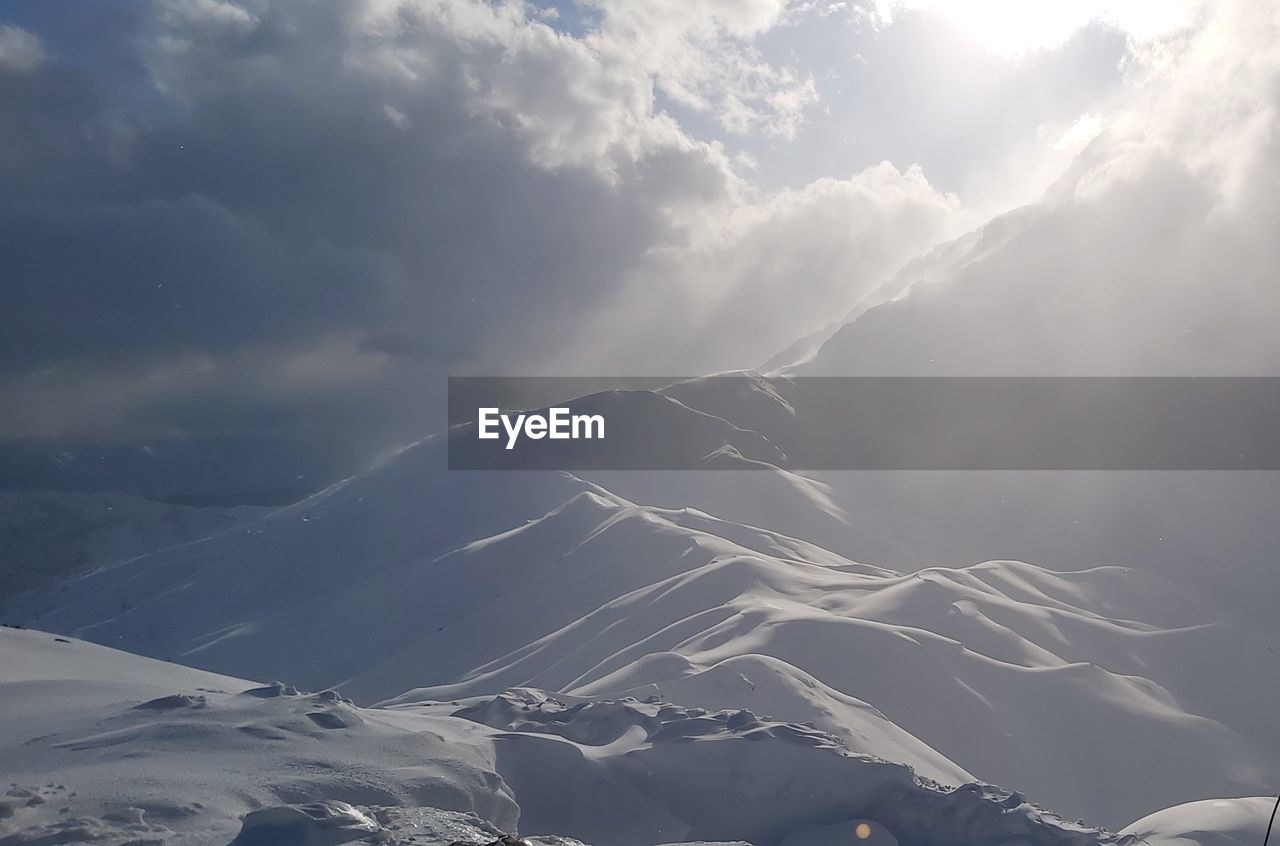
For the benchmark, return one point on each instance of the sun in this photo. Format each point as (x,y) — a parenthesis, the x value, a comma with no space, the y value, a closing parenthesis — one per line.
(1015,27)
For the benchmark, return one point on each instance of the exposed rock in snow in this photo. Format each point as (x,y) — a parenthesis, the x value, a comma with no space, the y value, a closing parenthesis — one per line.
(329,822)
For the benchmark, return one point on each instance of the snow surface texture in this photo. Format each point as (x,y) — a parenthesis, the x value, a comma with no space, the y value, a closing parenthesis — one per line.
(1209,822)
(103,746)
(1105,694)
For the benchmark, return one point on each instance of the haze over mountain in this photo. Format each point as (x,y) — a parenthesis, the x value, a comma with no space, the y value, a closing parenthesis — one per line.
(465,584)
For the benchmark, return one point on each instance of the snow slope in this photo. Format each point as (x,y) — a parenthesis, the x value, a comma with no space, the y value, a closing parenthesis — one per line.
(103,746)
(46,534)
(99,732)
(1091,691)
(1209,822)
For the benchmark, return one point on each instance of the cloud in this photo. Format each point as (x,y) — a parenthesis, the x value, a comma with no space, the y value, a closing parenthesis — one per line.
(19,50)
(1013,27)
(401,190)
(1154,254)
(702,56)
(753,277)
(119,281)
(264,211)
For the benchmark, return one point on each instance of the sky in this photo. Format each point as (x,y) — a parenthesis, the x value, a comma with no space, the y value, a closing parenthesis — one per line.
(266,217)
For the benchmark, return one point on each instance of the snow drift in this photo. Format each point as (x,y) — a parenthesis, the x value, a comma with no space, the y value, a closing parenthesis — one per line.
(128,748)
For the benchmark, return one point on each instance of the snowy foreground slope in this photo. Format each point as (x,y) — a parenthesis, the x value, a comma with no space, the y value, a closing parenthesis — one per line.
(103,746)
(1106,694)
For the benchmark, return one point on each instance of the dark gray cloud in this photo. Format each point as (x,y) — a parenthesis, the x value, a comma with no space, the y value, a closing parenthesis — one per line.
(226,216)
(171,276)
(259,200)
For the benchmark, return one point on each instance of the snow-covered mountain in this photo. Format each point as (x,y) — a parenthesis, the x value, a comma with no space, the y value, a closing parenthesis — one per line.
(1105,693)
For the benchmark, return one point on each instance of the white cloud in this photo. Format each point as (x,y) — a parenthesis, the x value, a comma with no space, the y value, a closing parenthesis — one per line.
(1013,27)
(20,50)
(701,55)
(740,272)
(398,118)
(557,92)
(219,12)
(1156,253)
(1211,100)
(593,100)
(753,274)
